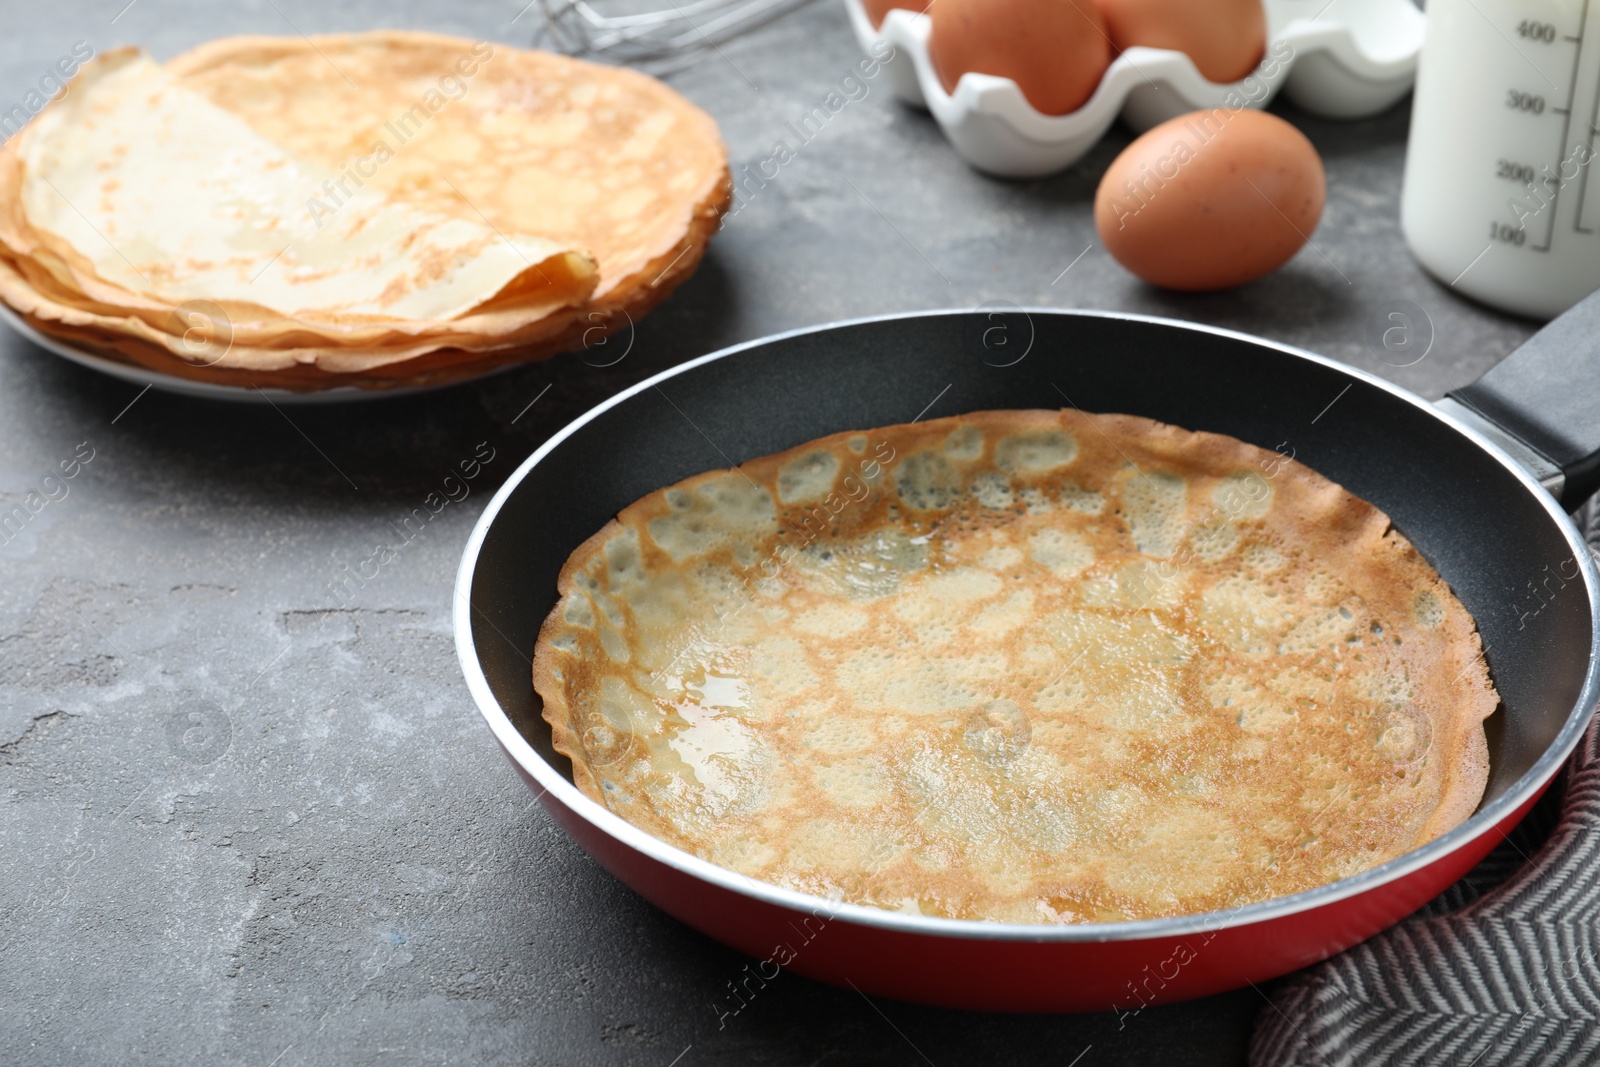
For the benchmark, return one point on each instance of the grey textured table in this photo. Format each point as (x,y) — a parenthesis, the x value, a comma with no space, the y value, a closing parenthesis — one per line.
(238,826)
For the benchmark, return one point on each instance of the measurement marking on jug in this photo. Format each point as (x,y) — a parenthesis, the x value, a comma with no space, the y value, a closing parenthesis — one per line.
(1517,172)
(1507,233)
(1543,185)
(1594,116)
(1512,44)
(1566,130)
(1517,100)
(1495,146)
(1566,126)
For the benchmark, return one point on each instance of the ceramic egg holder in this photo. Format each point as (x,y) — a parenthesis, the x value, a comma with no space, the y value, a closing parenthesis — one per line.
(1347,59)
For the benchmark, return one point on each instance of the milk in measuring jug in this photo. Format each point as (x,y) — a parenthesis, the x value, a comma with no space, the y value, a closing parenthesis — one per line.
(1500,196)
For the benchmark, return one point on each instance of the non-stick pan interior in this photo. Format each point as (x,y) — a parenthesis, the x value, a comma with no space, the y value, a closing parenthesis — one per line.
(1477,523)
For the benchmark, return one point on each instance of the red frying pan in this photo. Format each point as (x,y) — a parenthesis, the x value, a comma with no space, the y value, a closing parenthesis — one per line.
(1476,482)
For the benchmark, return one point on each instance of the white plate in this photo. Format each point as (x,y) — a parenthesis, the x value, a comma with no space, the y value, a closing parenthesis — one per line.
(210,390)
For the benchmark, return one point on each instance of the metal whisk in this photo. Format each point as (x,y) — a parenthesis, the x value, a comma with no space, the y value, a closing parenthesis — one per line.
(662,40)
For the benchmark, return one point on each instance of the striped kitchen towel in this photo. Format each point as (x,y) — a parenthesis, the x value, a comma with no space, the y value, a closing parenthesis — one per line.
(1503,969)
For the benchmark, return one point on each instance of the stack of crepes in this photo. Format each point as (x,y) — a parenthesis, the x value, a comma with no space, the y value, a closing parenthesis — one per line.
(375,210)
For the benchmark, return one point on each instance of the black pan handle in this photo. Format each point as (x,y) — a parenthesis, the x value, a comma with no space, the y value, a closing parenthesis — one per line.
(1542,403)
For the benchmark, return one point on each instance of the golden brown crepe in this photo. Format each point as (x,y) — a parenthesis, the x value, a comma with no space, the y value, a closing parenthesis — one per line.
(1021,666)
(342,190)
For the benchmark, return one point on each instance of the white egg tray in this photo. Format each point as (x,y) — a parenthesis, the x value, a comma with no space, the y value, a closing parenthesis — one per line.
(1335,58)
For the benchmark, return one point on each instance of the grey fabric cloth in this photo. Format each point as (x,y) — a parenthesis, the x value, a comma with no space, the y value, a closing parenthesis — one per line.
(1502,969)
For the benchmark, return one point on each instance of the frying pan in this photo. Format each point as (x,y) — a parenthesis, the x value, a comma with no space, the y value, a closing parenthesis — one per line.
(1476,482)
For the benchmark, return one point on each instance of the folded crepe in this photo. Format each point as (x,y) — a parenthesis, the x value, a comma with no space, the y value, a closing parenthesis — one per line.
(594,157)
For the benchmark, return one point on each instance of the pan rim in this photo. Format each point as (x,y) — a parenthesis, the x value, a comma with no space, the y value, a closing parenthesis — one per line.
(558,788)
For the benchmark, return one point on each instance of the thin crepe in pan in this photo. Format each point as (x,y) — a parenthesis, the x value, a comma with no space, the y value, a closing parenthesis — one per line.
(1022,666)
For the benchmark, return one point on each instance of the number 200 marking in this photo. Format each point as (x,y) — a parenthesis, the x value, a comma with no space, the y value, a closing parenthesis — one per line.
(1519,172)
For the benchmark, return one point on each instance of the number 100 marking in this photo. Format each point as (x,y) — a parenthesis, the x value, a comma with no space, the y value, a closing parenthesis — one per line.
(1507,233)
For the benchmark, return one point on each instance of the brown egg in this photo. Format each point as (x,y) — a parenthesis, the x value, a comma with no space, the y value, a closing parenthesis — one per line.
(878,10)
(1211,199)
(1055,50)
(1225,38)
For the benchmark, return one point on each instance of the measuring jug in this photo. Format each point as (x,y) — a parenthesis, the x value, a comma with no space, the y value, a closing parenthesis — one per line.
(1499,198)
